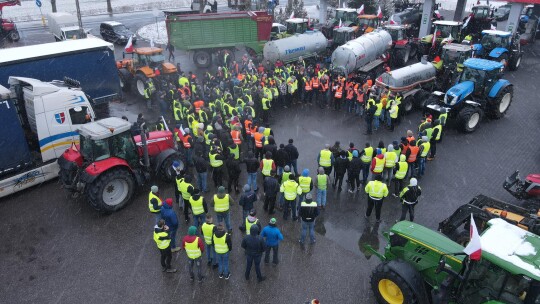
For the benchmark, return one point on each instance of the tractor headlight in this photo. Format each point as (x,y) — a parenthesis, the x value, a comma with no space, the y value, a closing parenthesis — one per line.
(450,99)
(454,100)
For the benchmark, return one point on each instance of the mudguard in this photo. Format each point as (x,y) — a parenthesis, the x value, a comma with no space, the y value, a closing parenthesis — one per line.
(406,270)
(162,157)
(497,52)
(462,90)
(498,86)
(95,169)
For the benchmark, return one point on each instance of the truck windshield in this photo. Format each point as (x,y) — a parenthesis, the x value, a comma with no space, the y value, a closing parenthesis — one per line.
(476,76)
(73,34)
(450,56)
(493,41)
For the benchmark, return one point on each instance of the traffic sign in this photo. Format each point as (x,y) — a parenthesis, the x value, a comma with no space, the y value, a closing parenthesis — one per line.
(38,3)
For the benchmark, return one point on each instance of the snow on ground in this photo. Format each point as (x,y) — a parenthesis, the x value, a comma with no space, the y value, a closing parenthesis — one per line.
(29,11)
(513,245)
(158,33)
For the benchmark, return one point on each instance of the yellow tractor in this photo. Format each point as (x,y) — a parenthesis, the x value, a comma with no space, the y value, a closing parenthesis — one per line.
(144,63)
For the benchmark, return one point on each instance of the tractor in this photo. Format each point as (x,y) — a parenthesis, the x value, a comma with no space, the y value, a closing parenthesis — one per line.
(479,90)
(8,29)
(422,266)
(344,34)
(109,163)
(294,26)
(367,23)
(481,18)
(500,46)
(402,47)
(446,32)
(483,209)
(451,65)
(145,63)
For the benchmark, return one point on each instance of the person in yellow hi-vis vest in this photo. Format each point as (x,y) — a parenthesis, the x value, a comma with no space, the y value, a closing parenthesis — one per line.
(208,229)
(376,191)
(222,243)
(162,238)
(194,247)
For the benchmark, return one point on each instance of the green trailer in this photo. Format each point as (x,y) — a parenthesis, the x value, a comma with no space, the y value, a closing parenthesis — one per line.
(206,34)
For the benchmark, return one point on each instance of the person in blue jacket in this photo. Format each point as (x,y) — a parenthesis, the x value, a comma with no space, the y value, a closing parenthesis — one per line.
(272,236)
(171,220)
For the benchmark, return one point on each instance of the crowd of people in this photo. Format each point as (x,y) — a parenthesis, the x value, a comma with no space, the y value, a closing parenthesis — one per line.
(222,121)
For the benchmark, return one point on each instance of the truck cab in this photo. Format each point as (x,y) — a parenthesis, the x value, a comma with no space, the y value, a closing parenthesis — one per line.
(65,26)
(43,119)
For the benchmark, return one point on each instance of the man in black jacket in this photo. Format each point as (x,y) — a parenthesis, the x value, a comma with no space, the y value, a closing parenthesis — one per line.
(281,158)
(340,167)
(293,156)
(254,246)
(355,166)
(233,170)
(201,166)
(270,147)
(308,213)
(252,166)
(271,190)
(409,198)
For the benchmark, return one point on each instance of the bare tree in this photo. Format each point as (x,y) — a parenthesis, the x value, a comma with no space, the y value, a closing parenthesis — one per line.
(53,5)
(109,7)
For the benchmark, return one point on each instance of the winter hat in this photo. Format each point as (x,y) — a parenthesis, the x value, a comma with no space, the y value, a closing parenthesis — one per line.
(395,144)
(390,148)
(261,129)
(378,151)
(221,190)
(305,172)
(309,196)
(413,182)
(287,168)
(192,230)
(253,212)
(196,191)
(355,153)
(247,188)
(281,146)
(321,170)
(425,139)
(154,189)
(200,126)
(273,221)
(169,202)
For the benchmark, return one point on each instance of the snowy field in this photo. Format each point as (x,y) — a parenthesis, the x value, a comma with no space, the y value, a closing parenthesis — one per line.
(29,11)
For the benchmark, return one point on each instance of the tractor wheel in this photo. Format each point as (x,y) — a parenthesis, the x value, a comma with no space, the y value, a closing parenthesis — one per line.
(408,103)
(499,107)
(140,83)
(202,59)
(14,36)
(125,79)
(469,118)
(514,64)
(111,191)
(389,287)
(420,99)
(166,171)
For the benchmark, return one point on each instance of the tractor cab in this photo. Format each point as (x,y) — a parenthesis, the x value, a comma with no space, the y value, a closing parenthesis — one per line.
(453,56)
(398,32)
(483,73)
(296,26)
(445,29)
(368,23)
(481,13)
(347,16)
(108,138)
(344,34)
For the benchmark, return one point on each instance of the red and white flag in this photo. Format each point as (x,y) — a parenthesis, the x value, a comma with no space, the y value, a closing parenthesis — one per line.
(340,23)
(392,22)
(361,10)
(379,13)
(129,45)
(434,40)
(467,21)
(474,248)
(292,15)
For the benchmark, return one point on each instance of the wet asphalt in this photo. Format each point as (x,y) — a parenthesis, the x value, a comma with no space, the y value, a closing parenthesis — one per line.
(55,249)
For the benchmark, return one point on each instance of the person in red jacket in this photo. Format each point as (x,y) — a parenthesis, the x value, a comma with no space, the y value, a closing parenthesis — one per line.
(377,163)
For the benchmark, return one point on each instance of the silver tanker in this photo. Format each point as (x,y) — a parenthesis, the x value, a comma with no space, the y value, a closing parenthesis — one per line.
(362,54)
(289,49)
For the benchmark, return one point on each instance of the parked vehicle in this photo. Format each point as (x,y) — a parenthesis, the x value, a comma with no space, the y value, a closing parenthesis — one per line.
(39,120)
(403,47)
(207,34)
(367,49)
(143,64)
(422,266)
(196,6)
(8,29)
(110,164)
(480,90)
(523,189)
(65,26)
(446,32)
(116,32)
(292,26)
(368,23)
(451,65)
(502,13)
(500,46)
(278,30)
(89,61)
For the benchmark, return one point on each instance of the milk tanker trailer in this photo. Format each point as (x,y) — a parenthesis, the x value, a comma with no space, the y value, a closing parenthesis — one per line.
(308,45)
(363,55)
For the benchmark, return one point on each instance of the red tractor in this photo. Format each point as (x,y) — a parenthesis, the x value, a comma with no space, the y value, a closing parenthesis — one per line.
(402,47)
(8,29)
(109,163)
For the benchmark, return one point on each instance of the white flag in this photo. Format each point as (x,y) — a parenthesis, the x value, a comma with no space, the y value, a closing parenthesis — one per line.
(151,42)
(474,248)
(467,21)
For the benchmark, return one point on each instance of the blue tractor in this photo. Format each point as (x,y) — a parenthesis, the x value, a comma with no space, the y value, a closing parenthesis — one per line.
(479,91)
(500,46)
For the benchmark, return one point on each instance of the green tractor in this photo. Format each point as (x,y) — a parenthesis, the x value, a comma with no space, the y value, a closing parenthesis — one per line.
(422,266)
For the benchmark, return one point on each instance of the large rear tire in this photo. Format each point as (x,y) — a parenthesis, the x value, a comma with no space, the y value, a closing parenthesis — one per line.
(202,59)
(389,287)
(420,99)
(515,63)
(111,191)
(166,170)
(408,103)
(500,106)
(140,83)
(469,118)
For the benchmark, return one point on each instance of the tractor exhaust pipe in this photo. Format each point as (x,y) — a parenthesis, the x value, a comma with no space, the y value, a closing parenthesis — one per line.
(145,146)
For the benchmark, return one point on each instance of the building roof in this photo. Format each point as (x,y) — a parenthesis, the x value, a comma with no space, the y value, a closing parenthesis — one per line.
(447,22)
(482,64)
(496,33)
(11,55)
(104,128)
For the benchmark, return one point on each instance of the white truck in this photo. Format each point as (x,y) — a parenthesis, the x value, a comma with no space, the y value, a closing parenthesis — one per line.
(65,26)
(39,121)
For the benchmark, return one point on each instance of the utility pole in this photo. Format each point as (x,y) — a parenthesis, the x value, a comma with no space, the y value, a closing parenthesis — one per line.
(82,34)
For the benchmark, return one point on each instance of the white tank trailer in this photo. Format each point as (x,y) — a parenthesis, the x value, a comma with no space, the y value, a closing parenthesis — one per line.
(408,77)
(291,48)
(361,51)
